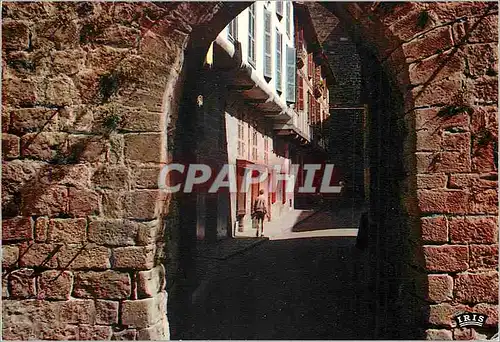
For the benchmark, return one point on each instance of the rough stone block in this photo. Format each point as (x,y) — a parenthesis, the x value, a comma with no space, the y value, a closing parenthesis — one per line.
(438,335)
(446,258)
(159,331)
(94,332)
(77,176)
(137,258)
(39,254)
(67,62)
(67,230)
(105,285)
(443,201)
(437,67)
(439,93)
(60,91)
(10,255)
(150,283)
(481,58)
(473,229)
(87,257)
(112,177)
(53,331)
(10,146)
(141,204)
(29,120)
(484,201)
(106,312)
(17,229)
(5,287)
(143,313)
(148,232)
(22,283)
(430,120)
(485,29)
(145,148)
(490,310)
(113,232)
(46,146)
(44,201)
(456,141)
(41,229)
(477,288)
(435,41)
(76,119)
(125,335)
(434,229)
(147,178)
(112,203)
(78,311)
(17,92)
(442,314)
(431,181)
(440,288)
(484,89)
(55,285)
(483,257)
(15,35)
(90,149)
(83,202)
(428,141)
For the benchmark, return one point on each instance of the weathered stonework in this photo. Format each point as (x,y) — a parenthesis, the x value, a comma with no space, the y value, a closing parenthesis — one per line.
(89,90)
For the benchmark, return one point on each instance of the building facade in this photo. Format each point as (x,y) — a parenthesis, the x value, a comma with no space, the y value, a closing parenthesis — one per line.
(274,83)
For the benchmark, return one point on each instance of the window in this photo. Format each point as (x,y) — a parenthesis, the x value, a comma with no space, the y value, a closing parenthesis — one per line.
(299,39)
(310,65)
(254,144)
(251,35)
(279,9)
(267,45)
(266,150)
(278,61)
(232,30)
(300,93)
(288,17)
(241,139)
(290,74)
(310,108)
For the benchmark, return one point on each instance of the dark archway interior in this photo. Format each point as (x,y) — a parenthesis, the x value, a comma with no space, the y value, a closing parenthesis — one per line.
(381,305)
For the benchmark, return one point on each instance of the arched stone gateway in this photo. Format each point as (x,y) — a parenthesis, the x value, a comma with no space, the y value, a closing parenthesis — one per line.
(91,98)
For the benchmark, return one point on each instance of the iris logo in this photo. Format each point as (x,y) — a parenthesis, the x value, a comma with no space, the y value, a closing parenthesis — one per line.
(468,319)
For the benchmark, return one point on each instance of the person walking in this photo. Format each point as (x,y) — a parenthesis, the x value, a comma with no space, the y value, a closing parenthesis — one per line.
(260,212)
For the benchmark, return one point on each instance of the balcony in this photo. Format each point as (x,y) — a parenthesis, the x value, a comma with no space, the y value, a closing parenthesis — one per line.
(242,78)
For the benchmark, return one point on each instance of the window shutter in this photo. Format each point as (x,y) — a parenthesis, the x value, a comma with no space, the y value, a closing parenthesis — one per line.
(310,65)
(267,45)
(288,17)
(290,74)
(279,8)
(251,35)
(278,61)
(300,91)
(232,33)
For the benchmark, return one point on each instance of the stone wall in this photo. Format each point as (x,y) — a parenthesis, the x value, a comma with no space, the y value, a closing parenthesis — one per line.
(89,104)
(434,233)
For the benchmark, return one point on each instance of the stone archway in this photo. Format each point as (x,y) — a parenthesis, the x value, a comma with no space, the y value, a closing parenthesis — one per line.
(91,95)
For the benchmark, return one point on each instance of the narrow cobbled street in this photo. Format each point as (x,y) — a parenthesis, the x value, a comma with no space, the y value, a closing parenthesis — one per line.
(295,288)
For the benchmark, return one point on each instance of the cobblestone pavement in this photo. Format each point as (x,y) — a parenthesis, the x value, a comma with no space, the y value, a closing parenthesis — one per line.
(288,288)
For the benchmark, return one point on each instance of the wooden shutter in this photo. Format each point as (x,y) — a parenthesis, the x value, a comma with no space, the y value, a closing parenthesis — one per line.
(278,61)
(279,8)
(267,45)
(290,74)
(251,35)
(300,91)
